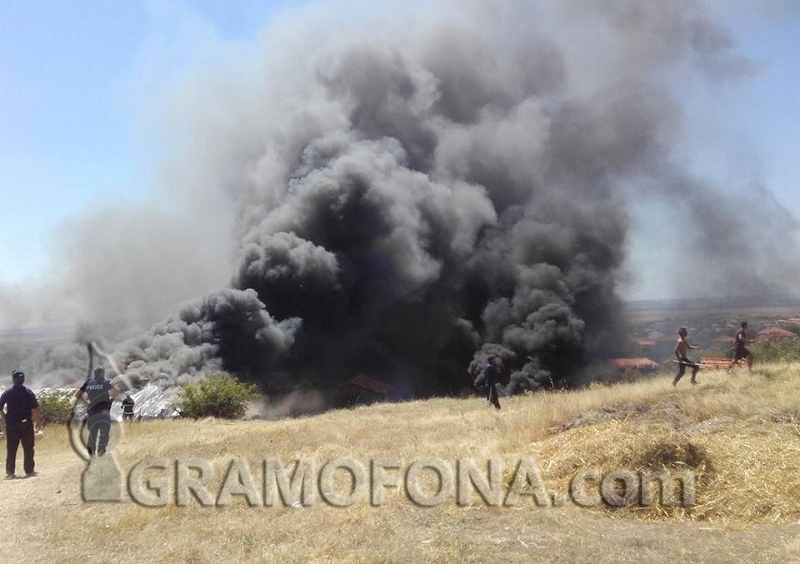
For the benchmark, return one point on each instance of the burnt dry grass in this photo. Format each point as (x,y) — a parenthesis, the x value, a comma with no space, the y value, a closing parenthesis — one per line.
(684,454)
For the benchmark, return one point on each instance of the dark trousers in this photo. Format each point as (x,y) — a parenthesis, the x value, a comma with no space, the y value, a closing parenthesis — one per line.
(99,430)
(15,434)
(683,363)
(491,394)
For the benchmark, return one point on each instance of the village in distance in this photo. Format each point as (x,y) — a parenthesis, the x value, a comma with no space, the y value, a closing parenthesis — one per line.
(773,323)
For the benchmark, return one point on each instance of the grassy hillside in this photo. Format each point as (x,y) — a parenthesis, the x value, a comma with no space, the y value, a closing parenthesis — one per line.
(737,434)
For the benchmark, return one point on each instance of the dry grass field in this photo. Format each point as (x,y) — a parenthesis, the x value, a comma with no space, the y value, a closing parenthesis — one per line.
(737,435)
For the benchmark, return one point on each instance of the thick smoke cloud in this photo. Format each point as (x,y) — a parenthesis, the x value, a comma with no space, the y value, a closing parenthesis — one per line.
(411,194)
(229,326)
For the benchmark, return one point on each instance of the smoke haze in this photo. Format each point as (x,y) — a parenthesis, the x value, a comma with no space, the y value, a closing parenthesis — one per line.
(403,193)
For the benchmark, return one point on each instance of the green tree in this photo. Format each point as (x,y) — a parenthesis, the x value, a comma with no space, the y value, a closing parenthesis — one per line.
(216,395)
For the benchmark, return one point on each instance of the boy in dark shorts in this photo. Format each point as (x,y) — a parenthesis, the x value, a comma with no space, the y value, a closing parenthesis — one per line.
(681,348)
(740,351)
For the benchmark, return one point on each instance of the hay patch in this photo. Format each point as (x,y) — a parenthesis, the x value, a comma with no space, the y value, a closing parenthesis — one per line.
(750,480)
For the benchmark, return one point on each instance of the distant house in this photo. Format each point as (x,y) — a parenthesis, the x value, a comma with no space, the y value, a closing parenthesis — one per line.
(641,364)
(363,390)
(775,333)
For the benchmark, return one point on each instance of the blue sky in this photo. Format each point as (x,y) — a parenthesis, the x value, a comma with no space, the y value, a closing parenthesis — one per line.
(766,105)
(743,130)
(70,94)
(75,78)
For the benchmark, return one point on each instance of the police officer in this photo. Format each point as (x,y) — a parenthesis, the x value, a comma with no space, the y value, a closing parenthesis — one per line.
(100,393)
(23,420)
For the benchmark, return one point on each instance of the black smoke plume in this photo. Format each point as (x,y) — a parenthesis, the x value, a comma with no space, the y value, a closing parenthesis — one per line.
(411,193)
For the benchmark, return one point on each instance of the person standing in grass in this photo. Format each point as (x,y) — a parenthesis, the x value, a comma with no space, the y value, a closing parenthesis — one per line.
(740,351)
(23,420)
(491,375)
(681,348)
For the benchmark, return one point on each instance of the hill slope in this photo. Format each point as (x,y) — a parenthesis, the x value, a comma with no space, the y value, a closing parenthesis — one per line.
(736,436)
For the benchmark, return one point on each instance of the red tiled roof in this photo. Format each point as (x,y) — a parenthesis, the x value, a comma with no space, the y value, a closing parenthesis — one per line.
(636,363)
(775,333)
(715,363)
(371,384)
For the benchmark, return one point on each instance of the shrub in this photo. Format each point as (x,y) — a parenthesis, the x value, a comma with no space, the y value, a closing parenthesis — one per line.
(783,349)
(217,395)
(55,406)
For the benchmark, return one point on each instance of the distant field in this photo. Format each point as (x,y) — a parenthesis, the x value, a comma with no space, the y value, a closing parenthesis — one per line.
(647,315)
(738,435)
